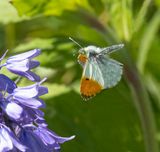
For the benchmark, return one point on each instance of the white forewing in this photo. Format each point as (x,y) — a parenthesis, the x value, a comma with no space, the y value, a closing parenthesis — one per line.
(92,71)
(110,49)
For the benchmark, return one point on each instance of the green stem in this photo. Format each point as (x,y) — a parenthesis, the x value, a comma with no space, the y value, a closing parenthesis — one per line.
(10,36)
(144,109)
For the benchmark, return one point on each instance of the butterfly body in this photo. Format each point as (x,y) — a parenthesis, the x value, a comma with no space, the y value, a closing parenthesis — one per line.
(99,70)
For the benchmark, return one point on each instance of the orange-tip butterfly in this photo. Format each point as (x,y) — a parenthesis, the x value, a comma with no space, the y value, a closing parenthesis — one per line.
(99,71)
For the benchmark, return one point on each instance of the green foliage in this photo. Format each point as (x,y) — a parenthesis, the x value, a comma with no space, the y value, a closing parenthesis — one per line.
(125,118)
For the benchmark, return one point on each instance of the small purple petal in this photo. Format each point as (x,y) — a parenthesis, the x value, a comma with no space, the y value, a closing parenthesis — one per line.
(6,84)
(15,141)
(49,137)
(1,96)
(26,92)
(33,64)
(42,90)
(31,102)
(28,74)
(44,136)
(33,142)
(59,139)
(23,56)
(29,91)
(39,113)
(8,140)
(5,141)
(35,137)
(18,145)
(22,66)
(41,122)
(13,110)
(56,147)
(31,76)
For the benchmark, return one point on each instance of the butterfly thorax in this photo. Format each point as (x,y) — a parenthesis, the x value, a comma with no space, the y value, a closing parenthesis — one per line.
(92,49)
(88,53)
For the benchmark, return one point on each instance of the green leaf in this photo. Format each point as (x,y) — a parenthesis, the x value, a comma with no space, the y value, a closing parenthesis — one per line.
(141,16)
(29,7)
(35,43)
(52,7)
(107,120)
(146,41)
(153,87)
(8,13)
(97,6)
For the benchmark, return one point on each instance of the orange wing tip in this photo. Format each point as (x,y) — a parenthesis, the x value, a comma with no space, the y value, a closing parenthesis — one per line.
(89,88)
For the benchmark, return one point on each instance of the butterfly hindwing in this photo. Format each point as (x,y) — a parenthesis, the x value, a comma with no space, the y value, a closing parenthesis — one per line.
(92,81)
(111,71)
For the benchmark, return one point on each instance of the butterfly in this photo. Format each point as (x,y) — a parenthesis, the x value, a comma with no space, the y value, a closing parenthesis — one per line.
(99,70)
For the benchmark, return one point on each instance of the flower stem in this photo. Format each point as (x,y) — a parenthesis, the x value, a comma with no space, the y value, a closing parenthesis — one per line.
(144,109)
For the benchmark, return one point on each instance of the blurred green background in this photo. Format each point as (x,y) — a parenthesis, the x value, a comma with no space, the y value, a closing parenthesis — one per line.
(125,118)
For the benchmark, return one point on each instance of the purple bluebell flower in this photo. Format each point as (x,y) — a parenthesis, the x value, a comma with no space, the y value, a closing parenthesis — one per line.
(21,64)
(8,141)
(22,123)
(42,139)
(29,96)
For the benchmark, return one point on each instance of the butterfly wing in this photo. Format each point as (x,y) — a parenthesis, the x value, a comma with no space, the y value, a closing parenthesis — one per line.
(92,80)
(110,49)
(99,73)
(111,71)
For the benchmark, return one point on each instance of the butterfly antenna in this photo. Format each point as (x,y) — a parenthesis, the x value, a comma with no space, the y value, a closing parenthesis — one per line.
(75,42)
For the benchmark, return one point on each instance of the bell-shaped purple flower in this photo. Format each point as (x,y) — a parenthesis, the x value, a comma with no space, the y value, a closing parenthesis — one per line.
(21,64)
(34,103)
(41,139)
(29,96)
(8,141)
(30,91)
(49,138)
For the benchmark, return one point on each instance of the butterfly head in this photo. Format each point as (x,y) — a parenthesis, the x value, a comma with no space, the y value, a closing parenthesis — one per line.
(89,50)
(82,57)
